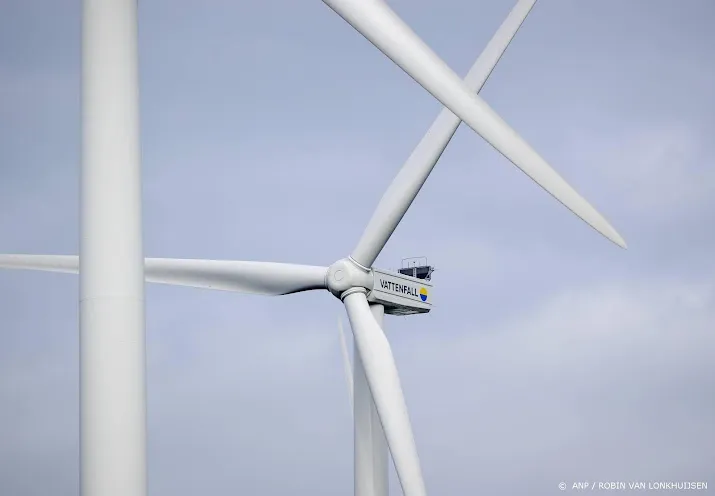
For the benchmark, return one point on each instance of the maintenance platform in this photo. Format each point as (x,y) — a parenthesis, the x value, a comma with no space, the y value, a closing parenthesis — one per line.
(417,267)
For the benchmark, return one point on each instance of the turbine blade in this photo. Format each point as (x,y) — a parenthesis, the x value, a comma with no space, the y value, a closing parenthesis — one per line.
(414,173)
(265,278)
(49,263)
(346,361)
(383,28)
(381,373)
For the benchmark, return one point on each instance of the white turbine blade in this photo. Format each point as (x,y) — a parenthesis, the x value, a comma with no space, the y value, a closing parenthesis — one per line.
(265,278)
(346,361)
(381,373)
(383,28)
(48,263)
(414,173)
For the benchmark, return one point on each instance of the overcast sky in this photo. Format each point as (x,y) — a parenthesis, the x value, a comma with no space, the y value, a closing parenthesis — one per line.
(269,132)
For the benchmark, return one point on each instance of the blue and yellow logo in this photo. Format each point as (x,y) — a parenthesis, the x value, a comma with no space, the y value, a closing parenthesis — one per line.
(423,294)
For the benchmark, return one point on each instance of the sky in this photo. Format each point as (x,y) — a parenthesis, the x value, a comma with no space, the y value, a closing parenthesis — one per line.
(269,132)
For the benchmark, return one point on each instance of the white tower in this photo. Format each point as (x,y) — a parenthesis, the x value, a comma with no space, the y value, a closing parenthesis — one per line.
(112,340)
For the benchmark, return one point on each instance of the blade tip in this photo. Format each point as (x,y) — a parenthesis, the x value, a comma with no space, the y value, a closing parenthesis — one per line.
(616,238)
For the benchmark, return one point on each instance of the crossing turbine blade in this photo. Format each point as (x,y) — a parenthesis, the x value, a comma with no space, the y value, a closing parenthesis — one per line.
(383,28)
(414,173)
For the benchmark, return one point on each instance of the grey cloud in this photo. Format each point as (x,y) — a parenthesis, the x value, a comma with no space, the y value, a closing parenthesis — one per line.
(606,383)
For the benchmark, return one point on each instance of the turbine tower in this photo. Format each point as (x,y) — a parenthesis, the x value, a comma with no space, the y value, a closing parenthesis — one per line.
(112,339)
(112,322)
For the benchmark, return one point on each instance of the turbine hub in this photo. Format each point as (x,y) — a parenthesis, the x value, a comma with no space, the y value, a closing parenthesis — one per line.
(345,274)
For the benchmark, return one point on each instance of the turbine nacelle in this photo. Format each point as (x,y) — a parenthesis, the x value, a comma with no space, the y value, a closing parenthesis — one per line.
(400,294)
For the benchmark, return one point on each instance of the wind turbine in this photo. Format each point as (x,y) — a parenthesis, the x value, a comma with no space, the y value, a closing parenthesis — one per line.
(370,450)
(368,292)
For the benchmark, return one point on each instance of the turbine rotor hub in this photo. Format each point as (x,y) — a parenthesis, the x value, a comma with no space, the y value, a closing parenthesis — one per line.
(346,274)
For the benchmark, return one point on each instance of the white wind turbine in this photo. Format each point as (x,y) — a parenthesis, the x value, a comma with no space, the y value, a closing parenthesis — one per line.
(370,450)
(353,279)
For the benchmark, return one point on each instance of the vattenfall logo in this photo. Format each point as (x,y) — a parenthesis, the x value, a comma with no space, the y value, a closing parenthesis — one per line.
(404,289)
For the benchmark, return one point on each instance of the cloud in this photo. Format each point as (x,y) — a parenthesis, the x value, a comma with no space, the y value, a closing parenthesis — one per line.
(658,170)
(609,382)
